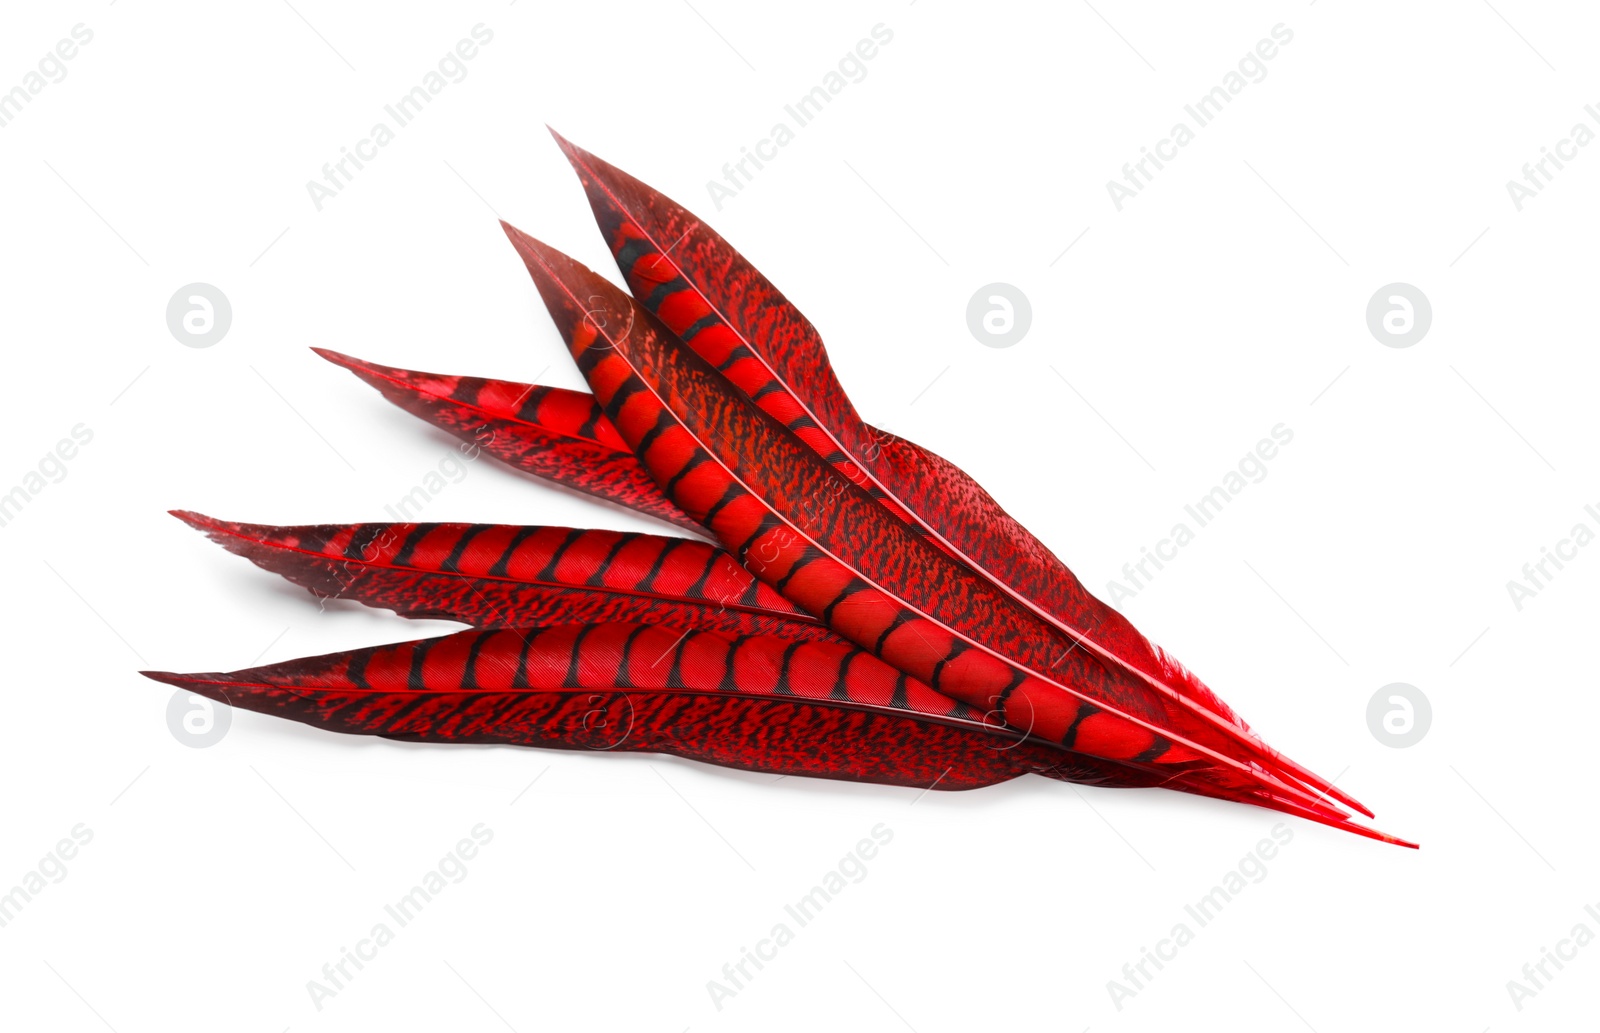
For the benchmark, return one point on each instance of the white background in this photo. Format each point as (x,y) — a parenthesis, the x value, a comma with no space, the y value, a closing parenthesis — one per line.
(1228,297)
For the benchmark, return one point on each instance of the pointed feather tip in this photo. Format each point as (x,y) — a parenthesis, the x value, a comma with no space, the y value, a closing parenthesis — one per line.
(1397,841)
(1328,789)
(219,530)
(1344,825)
(1318,812)
(548,256)
(213,686)
(601,180)
(196,683)
(1348,800)
(1305,776)
(541,259)
(339,358)
(390,381)
(533,252)
(239,538)
(1298,776)
(373,373)
(1371,833)
(198,521)
(570,149)
(594,172)
(518,238)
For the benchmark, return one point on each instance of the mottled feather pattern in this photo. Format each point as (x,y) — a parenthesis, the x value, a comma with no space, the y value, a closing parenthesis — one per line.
(750,702)
(499,575)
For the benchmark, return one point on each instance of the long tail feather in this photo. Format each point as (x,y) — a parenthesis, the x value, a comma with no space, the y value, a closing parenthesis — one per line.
(719,304)
(750,702)
(539,430)
(829,547)
(498,576)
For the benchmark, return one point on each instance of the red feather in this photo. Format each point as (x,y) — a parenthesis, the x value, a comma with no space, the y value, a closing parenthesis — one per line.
(499,576)
(756,703)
